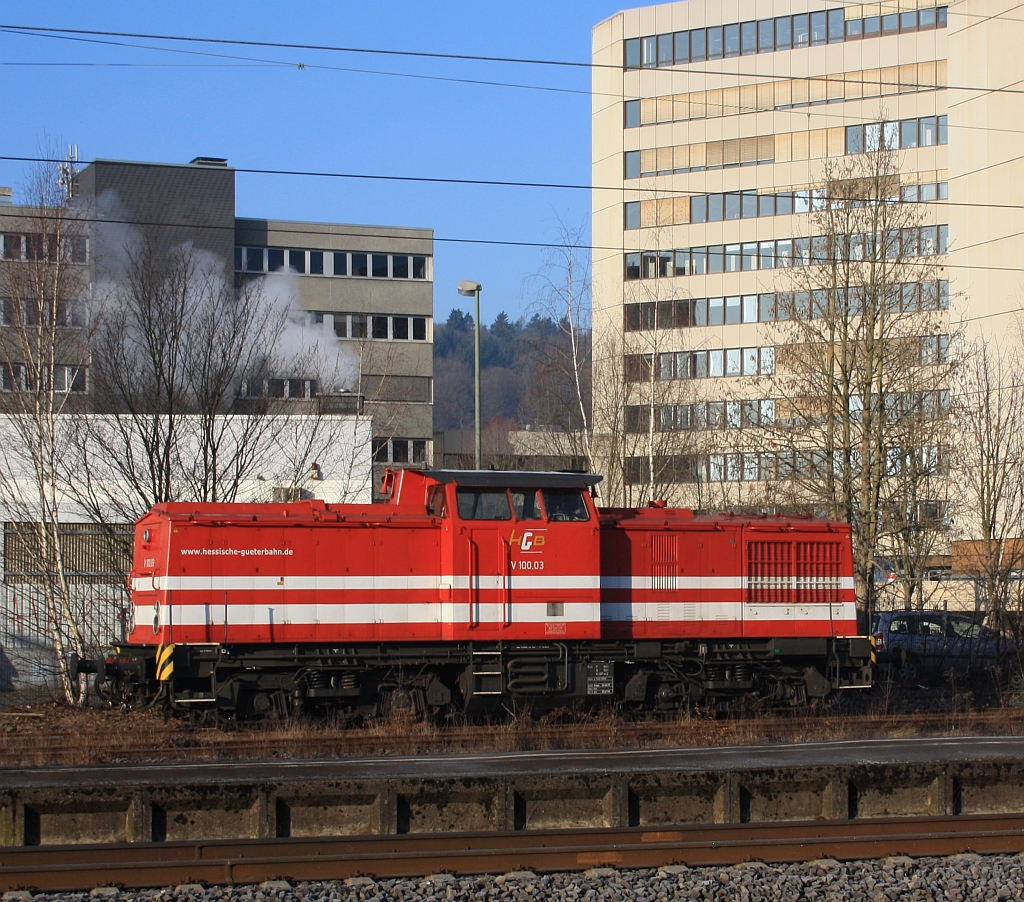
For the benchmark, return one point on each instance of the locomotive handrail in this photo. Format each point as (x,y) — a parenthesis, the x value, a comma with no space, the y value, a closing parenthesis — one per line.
(473,596)
(507,567)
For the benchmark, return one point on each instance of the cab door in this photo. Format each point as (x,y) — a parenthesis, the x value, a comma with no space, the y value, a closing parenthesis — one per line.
(481,559)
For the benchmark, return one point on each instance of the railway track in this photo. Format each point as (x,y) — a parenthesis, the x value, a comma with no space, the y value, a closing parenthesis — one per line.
(74,747)
(136,866)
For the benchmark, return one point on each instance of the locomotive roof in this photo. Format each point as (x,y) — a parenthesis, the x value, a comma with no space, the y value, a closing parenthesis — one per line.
(515,479)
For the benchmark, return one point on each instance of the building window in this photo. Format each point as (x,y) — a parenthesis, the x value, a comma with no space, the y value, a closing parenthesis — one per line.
(68,378)
(685,313)
(13,377)
(280,388)
(330,263)
(64,378)
(631,215)
(381,327)
(907,134)
(631,53)
(400,451)
(717,363)
(782,33)
(254,259)
(781,253)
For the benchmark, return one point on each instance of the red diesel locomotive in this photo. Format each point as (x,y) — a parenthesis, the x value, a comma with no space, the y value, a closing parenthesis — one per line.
(473,589)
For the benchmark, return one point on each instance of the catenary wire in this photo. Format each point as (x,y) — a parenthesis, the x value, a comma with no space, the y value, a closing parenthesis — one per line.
(928,264)
(802,111)
(545,185)
(286,64)
(47,31)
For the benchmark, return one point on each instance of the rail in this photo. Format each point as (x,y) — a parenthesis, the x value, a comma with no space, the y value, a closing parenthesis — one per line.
(83,867)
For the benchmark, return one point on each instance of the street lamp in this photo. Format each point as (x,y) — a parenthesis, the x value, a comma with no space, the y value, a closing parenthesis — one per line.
(472,289)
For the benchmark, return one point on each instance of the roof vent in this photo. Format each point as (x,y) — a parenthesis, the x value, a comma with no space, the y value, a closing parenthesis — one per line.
(209,161)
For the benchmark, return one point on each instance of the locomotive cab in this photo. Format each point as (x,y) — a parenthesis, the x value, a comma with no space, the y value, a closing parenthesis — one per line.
(520,552)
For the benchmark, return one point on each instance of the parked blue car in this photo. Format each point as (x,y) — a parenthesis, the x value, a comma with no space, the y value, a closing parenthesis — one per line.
(925,644)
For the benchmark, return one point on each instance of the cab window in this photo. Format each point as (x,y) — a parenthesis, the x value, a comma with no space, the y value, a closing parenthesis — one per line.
(565,504)
(526,505)
(483,504)
(435,502)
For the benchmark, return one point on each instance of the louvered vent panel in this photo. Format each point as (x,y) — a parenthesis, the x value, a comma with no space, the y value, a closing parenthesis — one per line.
(769,572)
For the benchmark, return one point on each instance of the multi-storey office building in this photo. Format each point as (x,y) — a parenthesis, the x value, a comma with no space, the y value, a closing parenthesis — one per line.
(714,129)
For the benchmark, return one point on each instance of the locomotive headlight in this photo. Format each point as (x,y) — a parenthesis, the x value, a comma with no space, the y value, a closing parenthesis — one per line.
(145,535)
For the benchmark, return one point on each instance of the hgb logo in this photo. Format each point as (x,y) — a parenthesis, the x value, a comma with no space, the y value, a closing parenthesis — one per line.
(529,541)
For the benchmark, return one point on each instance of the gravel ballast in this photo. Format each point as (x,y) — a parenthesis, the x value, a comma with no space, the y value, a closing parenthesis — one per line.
(962,877)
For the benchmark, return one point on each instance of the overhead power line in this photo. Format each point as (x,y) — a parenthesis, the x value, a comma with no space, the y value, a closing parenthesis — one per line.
(566,186)
(329,48)
(48,31)
(927,263)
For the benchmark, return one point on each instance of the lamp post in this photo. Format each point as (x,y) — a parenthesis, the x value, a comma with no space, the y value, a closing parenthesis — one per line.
(472,289)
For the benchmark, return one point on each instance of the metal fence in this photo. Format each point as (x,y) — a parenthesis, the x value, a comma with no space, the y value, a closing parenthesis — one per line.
(28,617)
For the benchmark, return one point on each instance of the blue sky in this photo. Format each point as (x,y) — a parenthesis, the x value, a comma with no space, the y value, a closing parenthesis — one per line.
(171,107)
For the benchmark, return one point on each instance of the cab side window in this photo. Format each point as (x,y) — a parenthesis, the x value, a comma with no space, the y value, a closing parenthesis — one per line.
(435,502)
(483,504)
(565,504)
(526,505)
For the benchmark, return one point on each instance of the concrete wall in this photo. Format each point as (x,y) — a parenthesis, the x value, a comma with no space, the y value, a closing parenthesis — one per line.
(199,810)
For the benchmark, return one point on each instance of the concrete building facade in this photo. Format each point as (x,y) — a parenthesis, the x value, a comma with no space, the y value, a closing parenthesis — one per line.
(714,125)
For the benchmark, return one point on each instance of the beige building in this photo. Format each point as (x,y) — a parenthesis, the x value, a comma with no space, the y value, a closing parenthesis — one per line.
(713,126)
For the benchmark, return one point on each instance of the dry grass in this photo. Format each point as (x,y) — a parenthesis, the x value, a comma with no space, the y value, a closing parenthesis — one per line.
(48,734)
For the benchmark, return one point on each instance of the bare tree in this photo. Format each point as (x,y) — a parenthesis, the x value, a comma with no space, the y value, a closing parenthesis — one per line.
(205,390)
(561,386)
(177,349)
(43,356)
(863,363)
(989,470)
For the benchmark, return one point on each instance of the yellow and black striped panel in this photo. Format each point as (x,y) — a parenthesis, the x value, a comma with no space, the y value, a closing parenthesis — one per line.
(164,662)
